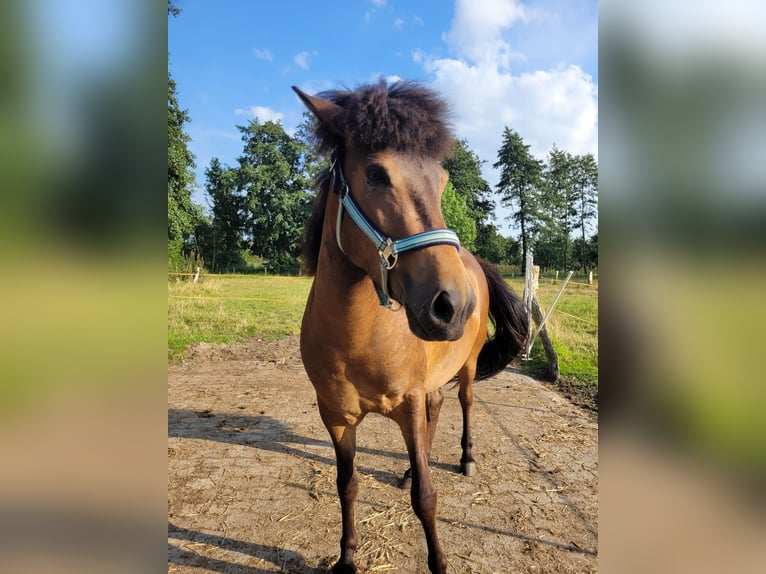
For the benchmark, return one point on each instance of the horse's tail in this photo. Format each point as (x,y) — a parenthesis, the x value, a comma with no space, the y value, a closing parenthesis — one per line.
(509,317)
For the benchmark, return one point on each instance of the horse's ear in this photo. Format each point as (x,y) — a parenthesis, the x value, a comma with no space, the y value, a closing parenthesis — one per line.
(326,112)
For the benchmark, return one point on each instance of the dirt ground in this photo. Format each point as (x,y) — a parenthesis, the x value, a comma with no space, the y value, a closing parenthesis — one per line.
(251,475)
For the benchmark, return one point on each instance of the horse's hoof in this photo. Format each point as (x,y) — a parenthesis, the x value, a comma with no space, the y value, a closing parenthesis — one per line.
(468,468)
(405,482)
(340,568)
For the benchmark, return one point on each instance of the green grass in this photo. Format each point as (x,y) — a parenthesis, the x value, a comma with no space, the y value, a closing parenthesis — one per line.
(230,308)
(573,328)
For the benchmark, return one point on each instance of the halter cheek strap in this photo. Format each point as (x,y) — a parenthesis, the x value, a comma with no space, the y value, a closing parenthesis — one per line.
(388,249)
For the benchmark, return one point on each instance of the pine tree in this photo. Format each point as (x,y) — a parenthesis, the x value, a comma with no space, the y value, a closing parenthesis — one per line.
(558,200)
(585,196)
(520,179)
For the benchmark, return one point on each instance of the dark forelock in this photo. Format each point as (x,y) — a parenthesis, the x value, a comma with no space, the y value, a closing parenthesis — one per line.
(403,116)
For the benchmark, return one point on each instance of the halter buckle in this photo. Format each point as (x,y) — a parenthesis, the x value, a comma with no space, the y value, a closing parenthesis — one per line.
(388,256)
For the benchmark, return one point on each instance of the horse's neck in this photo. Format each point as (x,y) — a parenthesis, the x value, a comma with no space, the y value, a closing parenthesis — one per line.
(343,314)
(337,279)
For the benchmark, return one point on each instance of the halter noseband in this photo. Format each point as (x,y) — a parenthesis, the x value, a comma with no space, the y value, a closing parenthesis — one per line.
(388,249)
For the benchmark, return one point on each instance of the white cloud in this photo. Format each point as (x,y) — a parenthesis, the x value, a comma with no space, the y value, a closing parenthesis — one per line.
(303,59)
(419,56)
(390,79)
(377,4)
(263,54)
(557,105)
(399,23)
(262,113)
(477,29)
(545,107)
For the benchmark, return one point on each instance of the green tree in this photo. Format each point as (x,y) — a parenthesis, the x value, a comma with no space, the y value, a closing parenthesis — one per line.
(585,198)
(223,235)
(512,251)
(313,160)
(183,214)
(457,218)
(548,253)
(272,177)
(557,201)
(490,244)
(464,170)
(173,10)
(520,179)
(586,251)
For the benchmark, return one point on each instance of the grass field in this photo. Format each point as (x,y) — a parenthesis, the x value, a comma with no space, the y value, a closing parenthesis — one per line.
(573,328)
(230,308)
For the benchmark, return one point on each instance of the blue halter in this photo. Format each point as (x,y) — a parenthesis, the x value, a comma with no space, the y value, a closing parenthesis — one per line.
(387,248)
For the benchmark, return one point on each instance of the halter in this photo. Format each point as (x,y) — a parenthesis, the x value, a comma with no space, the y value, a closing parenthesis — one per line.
(388,249)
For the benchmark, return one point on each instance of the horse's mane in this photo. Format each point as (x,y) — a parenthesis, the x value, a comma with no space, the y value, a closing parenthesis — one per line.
(404,116)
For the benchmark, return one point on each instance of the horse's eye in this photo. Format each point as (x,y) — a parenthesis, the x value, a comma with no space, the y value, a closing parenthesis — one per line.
(376,176)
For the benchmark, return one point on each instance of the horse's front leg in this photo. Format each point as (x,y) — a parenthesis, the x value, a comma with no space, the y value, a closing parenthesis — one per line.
(434,401)
(344,440)
(412,419)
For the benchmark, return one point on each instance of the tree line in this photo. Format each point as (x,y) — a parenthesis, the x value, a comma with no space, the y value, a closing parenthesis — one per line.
(259,206)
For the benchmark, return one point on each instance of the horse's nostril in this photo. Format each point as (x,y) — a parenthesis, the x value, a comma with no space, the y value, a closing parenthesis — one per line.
(442,308)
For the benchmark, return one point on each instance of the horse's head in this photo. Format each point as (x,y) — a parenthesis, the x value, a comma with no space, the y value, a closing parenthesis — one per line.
(401,196)
(397,189)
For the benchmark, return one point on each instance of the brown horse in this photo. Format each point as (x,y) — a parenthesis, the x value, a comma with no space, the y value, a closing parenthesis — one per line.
(397,308)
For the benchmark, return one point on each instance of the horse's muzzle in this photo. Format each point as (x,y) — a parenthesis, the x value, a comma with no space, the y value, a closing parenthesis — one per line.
(442,316)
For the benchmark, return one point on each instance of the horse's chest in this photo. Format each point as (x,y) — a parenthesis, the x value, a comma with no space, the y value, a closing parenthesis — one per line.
(361,386)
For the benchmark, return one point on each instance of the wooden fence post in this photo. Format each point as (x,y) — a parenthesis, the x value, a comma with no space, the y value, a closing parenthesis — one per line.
(535,313)
(528,294)
(550,352)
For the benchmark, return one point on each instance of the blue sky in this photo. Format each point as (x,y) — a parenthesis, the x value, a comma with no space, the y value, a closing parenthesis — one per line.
(531,66)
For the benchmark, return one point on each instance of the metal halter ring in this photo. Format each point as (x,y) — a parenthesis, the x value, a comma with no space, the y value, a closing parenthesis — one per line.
(388,256)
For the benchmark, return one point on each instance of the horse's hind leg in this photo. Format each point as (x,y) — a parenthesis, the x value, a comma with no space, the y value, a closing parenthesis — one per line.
(434,401)
(465,394)
(344,440)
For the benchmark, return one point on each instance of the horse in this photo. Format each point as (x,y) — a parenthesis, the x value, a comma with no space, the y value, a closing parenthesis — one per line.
(397,308)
